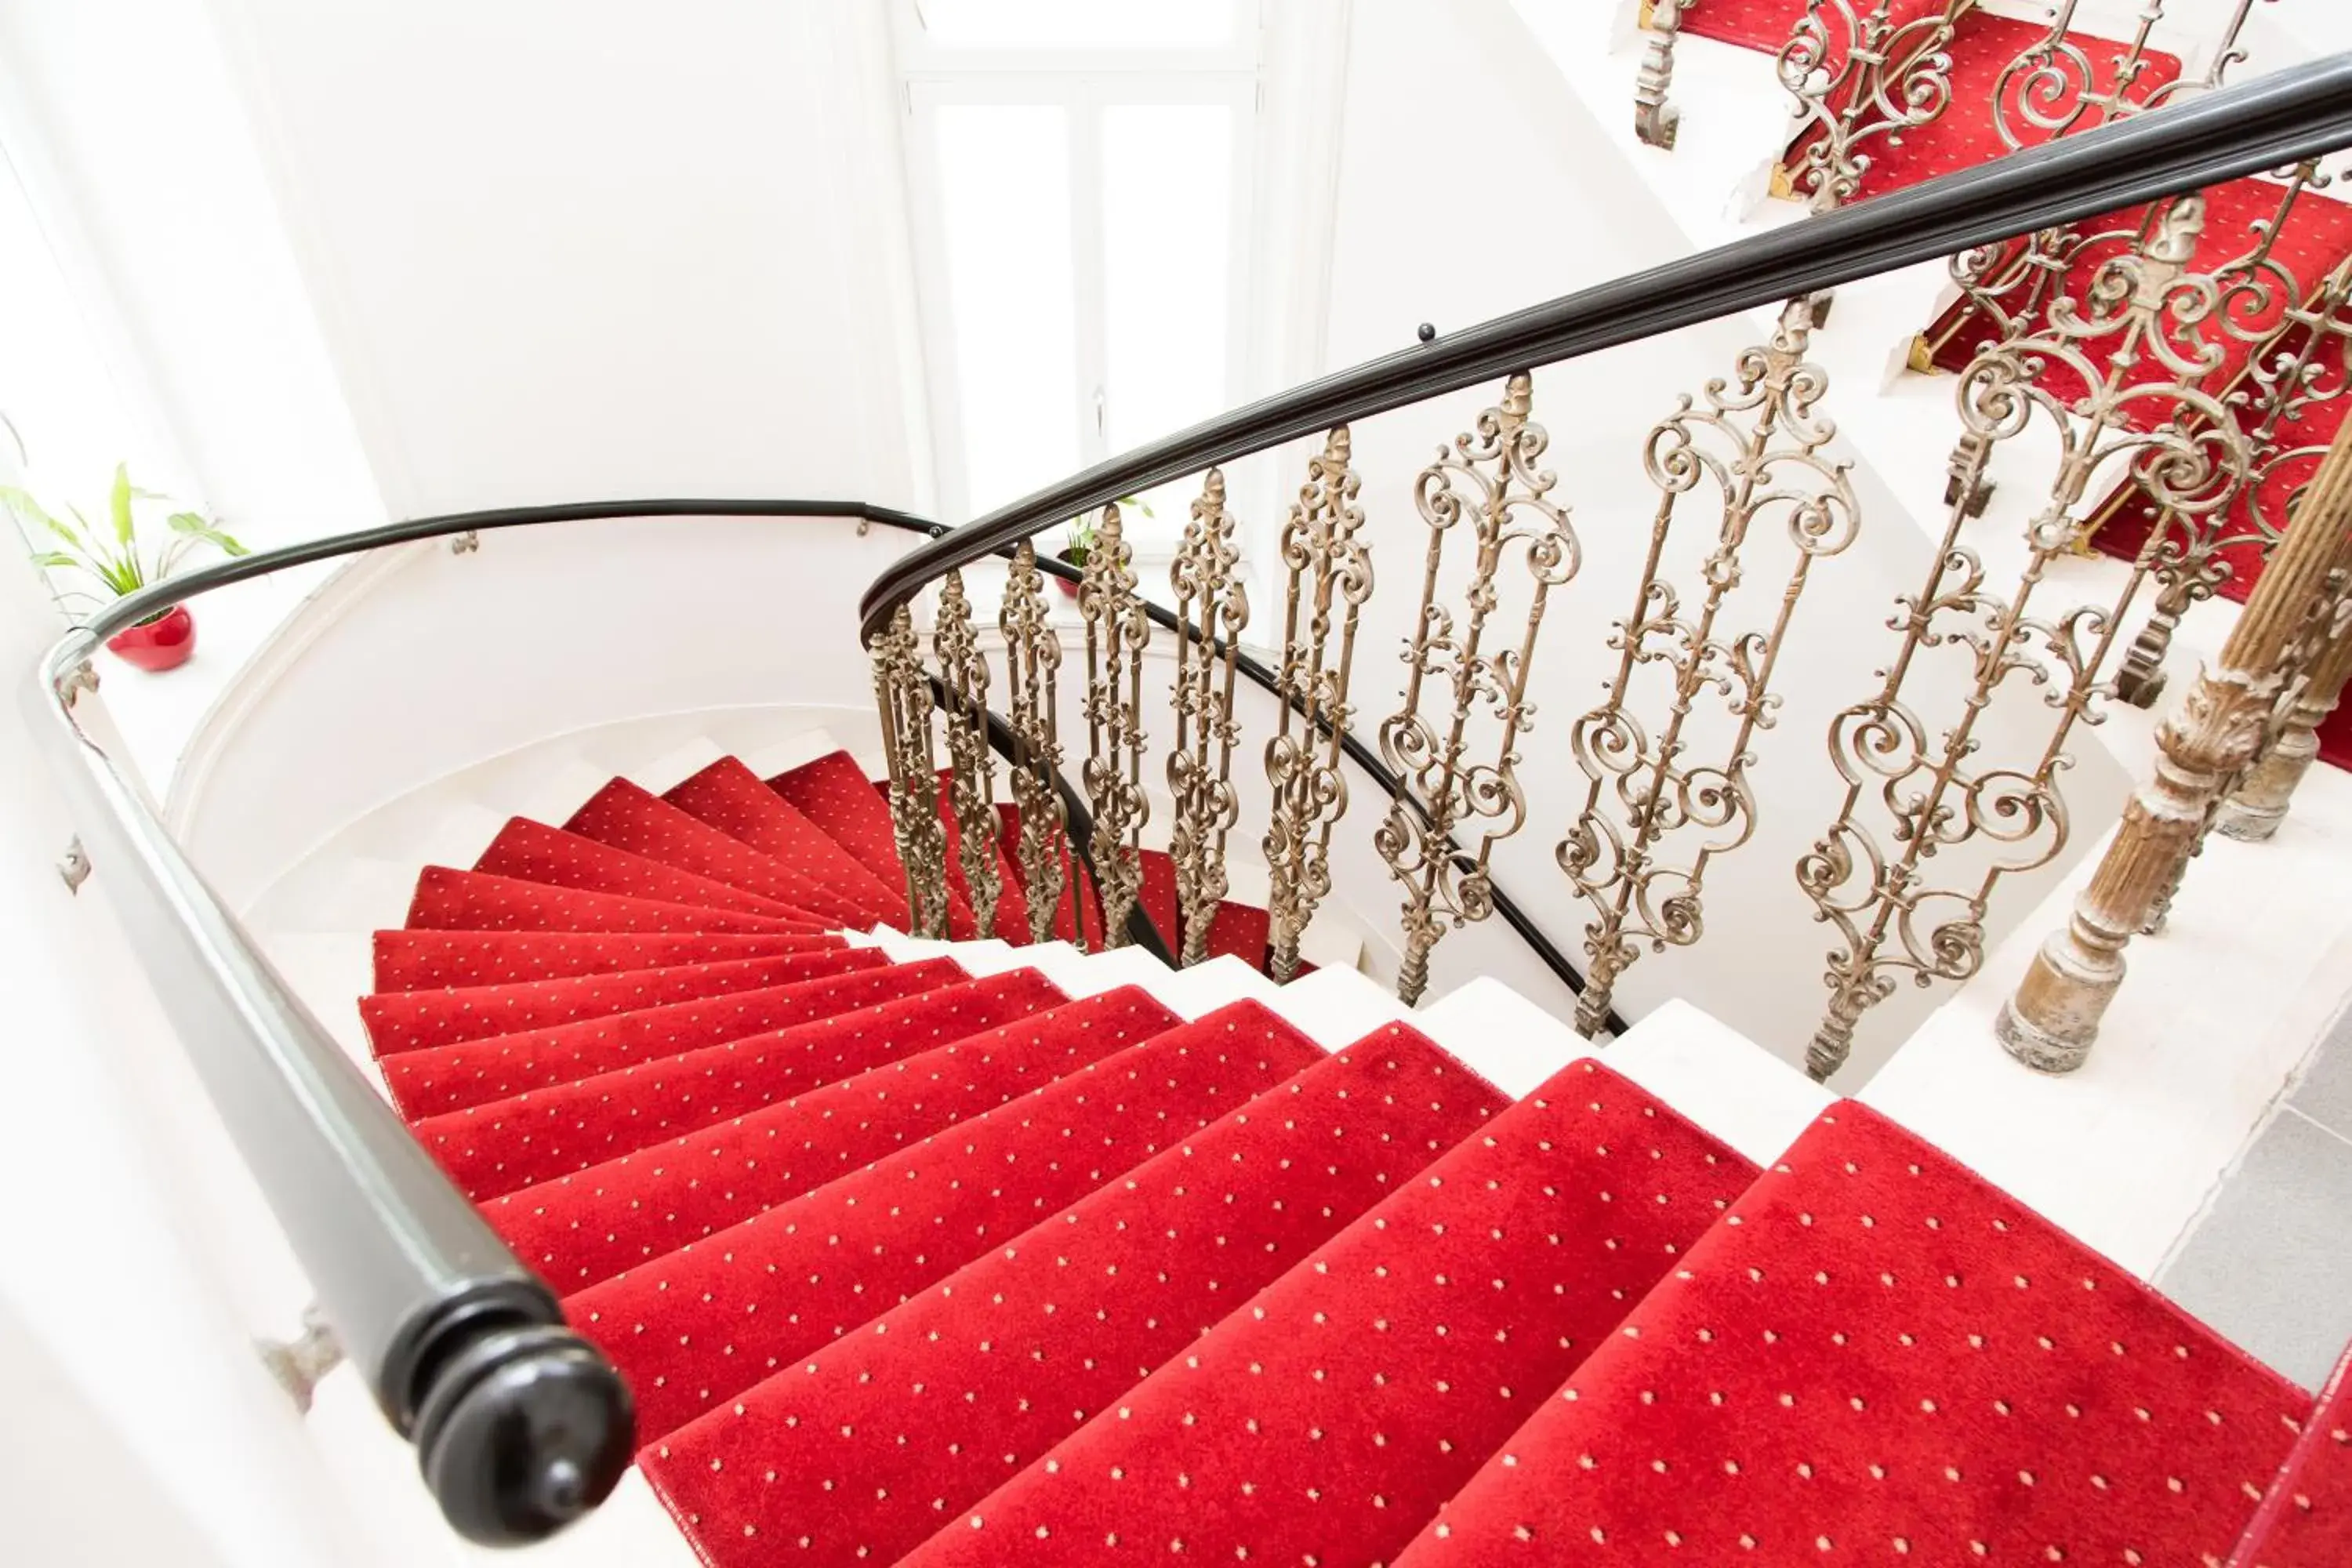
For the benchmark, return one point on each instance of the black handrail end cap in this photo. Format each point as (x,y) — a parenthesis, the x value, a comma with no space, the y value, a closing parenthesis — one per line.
(525,1430)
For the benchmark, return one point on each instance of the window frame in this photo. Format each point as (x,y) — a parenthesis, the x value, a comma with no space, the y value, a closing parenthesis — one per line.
(1084,84)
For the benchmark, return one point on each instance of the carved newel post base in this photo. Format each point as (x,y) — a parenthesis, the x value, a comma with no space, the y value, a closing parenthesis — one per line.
(2201,751)
(2050,1023)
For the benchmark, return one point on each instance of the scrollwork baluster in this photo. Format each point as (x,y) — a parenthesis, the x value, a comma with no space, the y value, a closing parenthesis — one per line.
(2144,310)
(2304,358)
(1860,76)
(971,776)
(903,695)
(1117,632)
(1759,442)
(1490,480)
(1212,608)
(1033,655)
(1328,571)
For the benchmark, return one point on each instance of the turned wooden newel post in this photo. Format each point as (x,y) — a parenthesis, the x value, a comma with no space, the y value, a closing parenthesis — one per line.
(2261,803)
(2053,1020)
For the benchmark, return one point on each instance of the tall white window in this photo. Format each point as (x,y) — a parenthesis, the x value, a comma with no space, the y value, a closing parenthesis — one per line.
(1081,173)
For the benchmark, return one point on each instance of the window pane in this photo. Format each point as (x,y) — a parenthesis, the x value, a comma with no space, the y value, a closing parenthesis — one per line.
(1167,197)
(1005,177)
(1079,24)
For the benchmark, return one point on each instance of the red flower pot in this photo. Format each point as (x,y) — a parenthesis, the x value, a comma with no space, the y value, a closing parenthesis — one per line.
(166,642)
(1069,589)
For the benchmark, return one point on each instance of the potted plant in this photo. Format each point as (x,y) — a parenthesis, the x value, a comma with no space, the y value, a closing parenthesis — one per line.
(120,562)
(1082,533)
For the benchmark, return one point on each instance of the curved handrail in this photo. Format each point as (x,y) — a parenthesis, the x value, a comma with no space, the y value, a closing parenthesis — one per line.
(521,1427)
(2275,120)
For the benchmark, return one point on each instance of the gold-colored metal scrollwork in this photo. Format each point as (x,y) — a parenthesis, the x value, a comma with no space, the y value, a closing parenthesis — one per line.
(1118,629)
(971,776)
(1212,607)
(1655,120)
(1859,77)
(1033,656)
(2304,359)
(2052,88)
(1490,478)
(1328,573)
(1757,447)
(2135,344)
(903,694)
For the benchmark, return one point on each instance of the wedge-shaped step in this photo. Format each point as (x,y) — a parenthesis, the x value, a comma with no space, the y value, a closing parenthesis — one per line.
(1879,1356)
(626,817)
(2306,1520)
(451,1077)
(414,1020)
(534,852)
(591,1226)
(706,1322)
(731,798)
(1327,1420)
(449,899)
(509,1144)
(857,1457)
(420,961)
(836,795)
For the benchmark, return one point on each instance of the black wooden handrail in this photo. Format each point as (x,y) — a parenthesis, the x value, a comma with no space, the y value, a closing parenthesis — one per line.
(2275,120)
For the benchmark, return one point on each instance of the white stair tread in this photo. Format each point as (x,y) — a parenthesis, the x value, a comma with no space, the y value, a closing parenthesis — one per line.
(1214,983)
(1501,1035)
(553,795)
(458,835)
(1720,1079)
(783,757)
(361,893)
(1337,1007)
(676,766)
(330,972)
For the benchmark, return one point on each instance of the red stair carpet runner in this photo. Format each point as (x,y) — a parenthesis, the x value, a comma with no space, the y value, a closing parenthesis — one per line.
(911,1265)
(2242,219)
(862,1453)
(1876,1356)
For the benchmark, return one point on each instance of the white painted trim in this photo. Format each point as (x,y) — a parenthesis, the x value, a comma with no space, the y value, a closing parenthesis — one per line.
(184,796)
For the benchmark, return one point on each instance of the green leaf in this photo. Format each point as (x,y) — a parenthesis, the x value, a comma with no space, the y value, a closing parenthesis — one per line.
(196,525)
(22,503)
(56,560)
(118,502)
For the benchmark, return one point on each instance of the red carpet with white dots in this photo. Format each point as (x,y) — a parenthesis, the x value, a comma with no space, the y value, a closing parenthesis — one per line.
(909,1263)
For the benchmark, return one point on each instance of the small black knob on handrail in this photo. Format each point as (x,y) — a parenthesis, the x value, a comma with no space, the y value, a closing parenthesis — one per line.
(1428,332)
(525,1429)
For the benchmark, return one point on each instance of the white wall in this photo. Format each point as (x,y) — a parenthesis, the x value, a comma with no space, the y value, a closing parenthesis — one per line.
(570,250)
(121,117)
(1452,209)
(418,662)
